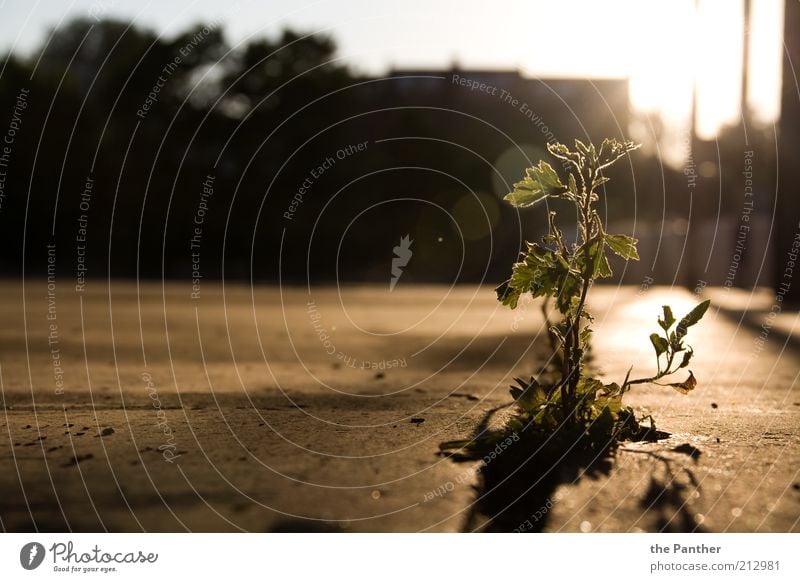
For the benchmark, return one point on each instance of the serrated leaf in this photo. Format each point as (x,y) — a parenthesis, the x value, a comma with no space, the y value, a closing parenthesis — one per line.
(523,276)
(692,318)
(540,182)
(660,344)
(573,185)
(558,149)
(602,268)
(611,150)
(668,320)
(562,152)
(687,385)
(508,295)
(569,289)
(588,387)
(623,245)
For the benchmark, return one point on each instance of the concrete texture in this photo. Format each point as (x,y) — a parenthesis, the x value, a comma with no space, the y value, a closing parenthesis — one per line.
(276,409)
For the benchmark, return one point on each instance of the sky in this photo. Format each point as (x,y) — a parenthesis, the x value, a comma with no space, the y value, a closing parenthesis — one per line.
(660,45)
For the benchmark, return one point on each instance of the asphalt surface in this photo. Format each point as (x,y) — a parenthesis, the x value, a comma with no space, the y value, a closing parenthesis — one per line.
(135,407)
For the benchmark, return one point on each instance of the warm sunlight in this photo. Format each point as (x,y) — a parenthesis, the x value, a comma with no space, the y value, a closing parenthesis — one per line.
(703,40)
(682,41)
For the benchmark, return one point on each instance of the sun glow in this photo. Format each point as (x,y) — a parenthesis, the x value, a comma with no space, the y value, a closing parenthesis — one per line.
(701,44)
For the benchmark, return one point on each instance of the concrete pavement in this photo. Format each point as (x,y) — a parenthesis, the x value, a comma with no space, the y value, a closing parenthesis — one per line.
(278,409)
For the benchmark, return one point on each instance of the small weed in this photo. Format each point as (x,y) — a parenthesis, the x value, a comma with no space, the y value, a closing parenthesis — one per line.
(564,409)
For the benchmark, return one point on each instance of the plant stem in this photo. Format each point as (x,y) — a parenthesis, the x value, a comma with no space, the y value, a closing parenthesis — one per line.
(571,367)
(661,373)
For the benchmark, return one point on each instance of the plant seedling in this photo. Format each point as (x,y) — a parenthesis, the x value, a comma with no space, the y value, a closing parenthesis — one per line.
(574,406)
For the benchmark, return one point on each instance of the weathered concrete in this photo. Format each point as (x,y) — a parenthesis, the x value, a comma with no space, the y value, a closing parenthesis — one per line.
(266,430)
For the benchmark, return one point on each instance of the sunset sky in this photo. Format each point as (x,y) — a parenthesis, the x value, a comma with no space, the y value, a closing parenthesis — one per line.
(661,45)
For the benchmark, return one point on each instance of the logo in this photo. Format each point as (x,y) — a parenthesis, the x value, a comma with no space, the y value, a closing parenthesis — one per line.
(402,254)
(31,555)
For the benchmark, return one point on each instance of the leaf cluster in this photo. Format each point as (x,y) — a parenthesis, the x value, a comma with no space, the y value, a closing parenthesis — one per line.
(669,345)
(577,407)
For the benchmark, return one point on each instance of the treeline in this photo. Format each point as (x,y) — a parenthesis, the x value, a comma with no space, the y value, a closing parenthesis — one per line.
(139,155)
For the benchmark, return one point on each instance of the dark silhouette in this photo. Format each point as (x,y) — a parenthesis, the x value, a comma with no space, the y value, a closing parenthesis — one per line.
(138,155)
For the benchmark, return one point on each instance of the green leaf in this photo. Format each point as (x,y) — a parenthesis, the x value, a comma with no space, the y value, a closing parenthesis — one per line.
(541,181)
(692,318)
(508,295)
(588,387)
(593,253)
(568,295)
(562,152)
(686,357)
(623,245)
(611,150)
(668,320)
(573,185)
(612,401)
(687,385)
(602,269)
(530,395)
(544,271)
(523,277)
(660,344)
